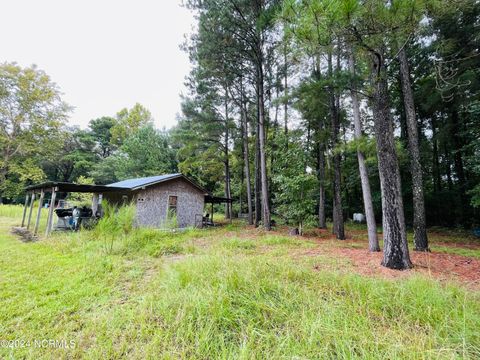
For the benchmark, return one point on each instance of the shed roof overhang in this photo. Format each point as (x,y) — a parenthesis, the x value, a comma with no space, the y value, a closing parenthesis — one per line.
(210,199)
(71,187)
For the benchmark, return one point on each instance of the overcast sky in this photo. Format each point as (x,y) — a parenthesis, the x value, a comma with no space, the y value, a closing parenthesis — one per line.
(103,54)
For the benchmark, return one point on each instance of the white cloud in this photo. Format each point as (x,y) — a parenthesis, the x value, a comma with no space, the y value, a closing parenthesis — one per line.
(103,54)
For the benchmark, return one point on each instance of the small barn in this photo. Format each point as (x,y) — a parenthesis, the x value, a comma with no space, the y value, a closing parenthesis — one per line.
(161,200)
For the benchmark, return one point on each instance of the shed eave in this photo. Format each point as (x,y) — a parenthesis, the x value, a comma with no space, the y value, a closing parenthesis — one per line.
(143,186)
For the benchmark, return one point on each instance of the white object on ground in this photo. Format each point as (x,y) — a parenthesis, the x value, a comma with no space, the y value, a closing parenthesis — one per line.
(358,217)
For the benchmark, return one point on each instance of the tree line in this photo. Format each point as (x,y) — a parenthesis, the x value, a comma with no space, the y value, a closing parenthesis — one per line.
(37,144)
(322,108)
(302,111)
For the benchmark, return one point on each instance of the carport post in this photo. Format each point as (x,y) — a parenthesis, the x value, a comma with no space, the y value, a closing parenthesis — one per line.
(50,212)
(25,209)
(35,230)
(32,201)
(95,198)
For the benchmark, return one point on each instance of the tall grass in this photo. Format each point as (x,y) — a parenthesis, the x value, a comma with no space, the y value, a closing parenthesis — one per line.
(115,224)
(117,291)
(261,308)
(13,211)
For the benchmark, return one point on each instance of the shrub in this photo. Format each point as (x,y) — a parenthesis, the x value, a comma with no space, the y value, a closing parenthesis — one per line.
(115,224)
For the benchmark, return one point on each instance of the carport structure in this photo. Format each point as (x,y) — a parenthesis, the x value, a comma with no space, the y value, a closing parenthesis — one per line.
(54,188)
(210,199)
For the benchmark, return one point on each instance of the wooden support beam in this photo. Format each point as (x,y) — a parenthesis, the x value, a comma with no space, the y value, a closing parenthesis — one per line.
(50,212)
(25,209)
(40,205)
(95,201)
(32,201)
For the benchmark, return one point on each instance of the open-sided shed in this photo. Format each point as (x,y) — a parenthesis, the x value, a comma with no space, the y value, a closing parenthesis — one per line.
(54,187)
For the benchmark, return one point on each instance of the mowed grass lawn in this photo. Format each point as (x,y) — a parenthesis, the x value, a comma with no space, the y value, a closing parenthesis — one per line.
(218,293)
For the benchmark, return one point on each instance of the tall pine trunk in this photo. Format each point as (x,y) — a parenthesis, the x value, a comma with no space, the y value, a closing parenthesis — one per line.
(437,180)
(258,183)
(322,218)
(456,130)
(395,249)
(246,158)
(259,62)
(338,226)
(322,222)
(261,136)
(419,222)
(228,205)
(285,89)
(362,167)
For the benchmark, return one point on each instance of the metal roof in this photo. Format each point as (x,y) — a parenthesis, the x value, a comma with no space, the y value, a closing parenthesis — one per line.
(138,183)
(71,187)
(125,185)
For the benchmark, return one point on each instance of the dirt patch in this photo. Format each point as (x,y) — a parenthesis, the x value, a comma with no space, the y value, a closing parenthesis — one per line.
(24,234)
(438,265)
(354,250)
(447,266)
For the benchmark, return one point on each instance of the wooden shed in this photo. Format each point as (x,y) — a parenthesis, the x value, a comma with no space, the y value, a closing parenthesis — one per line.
(164,200)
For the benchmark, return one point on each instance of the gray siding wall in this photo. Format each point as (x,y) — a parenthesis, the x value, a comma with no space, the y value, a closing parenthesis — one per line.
(152,203)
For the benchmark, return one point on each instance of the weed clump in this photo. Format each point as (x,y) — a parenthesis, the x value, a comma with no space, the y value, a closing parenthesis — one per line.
(119,235)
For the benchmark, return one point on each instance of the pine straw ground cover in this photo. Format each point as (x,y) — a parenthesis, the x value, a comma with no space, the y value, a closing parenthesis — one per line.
(233,292)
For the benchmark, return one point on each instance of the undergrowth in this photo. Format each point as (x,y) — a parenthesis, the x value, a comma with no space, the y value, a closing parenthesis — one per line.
(118,234)
(123,292)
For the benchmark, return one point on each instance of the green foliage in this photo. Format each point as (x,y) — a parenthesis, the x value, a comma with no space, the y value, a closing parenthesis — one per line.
(146,152)
(31,115)
(295,199)
(128,122)
(118,234)
(116,224)
(207,144)
(20,174)
(82,198)
(101,133)
(104,172)
(73,157)
(198,137)
(171,222)
(475,192)
(472,148)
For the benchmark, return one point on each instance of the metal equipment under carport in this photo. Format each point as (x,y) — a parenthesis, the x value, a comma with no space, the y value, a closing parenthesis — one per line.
(54,188)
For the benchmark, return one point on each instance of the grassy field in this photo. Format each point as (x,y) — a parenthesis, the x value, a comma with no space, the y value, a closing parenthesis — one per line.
(232,293)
